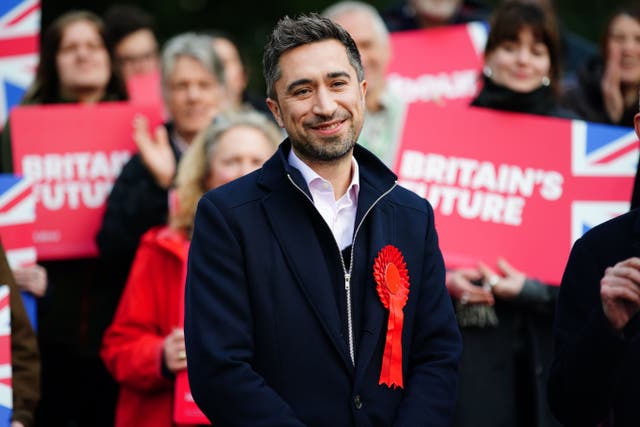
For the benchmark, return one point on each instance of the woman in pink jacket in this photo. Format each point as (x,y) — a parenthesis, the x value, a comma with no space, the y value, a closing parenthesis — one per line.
(143,348)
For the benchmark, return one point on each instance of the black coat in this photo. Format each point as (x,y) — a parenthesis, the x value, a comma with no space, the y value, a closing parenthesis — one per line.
(595,372)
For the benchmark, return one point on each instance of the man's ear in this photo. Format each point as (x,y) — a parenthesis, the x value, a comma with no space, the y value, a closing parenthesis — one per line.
(636,123)
(275,110)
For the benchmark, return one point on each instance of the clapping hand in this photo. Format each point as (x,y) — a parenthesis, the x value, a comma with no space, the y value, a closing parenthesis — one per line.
(155,151)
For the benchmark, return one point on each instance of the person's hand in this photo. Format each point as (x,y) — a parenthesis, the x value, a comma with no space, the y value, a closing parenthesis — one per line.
(610,85)
(155,152)
(506,284)
(16,424)
(620,292)
(173,351)
(31,279)
(460,287)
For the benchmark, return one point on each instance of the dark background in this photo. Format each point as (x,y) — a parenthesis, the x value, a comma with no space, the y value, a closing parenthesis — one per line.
(250,21)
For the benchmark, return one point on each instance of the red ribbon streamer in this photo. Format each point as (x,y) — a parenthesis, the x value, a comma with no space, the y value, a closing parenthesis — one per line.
(392,278)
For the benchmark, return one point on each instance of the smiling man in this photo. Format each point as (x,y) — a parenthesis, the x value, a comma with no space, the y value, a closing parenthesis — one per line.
(315,290)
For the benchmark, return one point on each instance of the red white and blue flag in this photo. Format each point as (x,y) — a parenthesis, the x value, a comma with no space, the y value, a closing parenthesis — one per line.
(6,391)
(17,224)
(19,33)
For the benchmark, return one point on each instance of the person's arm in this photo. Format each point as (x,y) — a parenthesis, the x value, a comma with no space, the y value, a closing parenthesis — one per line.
(25,357)
(586,348)
(132,347)
(431,389)
(219,331)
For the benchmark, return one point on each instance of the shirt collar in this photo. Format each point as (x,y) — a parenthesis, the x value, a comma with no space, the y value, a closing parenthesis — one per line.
(310,175)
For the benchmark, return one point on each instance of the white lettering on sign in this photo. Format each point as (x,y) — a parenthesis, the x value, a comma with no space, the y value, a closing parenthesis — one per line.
(476,189)
(73,180)
(432,87)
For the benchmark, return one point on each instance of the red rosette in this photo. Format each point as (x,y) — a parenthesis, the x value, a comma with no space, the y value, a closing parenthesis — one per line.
(392,278)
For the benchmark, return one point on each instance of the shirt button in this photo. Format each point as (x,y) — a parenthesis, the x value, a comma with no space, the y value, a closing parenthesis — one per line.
(357,401)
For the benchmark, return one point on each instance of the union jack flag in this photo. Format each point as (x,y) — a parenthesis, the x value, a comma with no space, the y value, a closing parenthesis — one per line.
(600,154)
(6,392)
(603,150)
(17,216)
(19,32)
(17,221)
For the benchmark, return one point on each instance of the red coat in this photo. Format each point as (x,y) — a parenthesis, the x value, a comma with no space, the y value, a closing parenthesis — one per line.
(148,311)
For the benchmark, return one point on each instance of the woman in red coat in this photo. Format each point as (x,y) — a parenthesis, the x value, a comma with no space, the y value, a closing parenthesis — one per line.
(144,346)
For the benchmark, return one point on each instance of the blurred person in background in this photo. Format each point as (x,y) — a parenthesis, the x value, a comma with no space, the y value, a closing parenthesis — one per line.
(193,87)
(144,346)
(131,40)
(607,87)
(74,67)
(385,114)
(236,74)
(521,70)
(505,316)
(415,14)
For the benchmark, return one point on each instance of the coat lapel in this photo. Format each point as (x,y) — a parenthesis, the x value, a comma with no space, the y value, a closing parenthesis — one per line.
(294,230)
(374,314)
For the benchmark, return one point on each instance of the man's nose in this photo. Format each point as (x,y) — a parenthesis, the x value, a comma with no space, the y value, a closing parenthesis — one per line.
(324,104)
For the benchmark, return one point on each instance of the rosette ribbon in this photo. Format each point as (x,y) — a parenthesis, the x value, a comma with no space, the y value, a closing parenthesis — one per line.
(392,279)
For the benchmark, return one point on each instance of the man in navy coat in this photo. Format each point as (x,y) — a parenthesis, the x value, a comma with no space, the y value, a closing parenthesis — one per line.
(595,376)
(315,291)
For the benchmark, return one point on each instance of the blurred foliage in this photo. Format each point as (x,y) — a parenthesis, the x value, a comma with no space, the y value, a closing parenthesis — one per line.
(250,22)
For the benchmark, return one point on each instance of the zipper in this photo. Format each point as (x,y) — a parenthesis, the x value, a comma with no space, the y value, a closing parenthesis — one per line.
(347,272)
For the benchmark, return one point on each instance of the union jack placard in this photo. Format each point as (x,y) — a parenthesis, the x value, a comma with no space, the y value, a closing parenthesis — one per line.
(17,222)
(6,391)
(19,32)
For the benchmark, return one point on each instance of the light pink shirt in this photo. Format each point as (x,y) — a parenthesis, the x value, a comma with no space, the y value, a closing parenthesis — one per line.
(340,215)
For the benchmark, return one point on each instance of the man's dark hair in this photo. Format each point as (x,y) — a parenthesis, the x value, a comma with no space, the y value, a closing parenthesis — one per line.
(290,33)
(121,20)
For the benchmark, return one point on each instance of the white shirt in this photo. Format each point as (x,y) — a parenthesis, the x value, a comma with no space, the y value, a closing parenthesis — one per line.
(340,215)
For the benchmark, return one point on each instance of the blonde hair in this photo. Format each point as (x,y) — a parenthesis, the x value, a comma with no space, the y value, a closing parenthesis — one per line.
(194,167)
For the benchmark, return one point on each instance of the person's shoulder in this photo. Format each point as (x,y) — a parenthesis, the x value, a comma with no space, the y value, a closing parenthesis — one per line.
(238,192)
(612,232)
(404,198)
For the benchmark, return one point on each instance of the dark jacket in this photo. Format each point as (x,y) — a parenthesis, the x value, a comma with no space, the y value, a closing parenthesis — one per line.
(585,98)
(595,373)
(25,359)
(266,325)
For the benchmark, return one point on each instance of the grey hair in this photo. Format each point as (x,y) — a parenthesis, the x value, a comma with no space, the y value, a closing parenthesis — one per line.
(345,7)
(310,28)
(195,46)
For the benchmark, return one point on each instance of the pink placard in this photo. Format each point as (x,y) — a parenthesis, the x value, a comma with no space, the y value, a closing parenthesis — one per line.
(73,153)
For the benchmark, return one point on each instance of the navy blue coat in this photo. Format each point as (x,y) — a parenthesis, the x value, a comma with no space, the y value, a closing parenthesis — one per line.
(595,374)
(266,329)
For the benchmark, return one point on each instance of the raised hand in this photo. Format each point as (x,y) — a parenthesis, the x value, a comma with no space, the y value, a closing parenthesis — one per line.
(155,151)
(620,292)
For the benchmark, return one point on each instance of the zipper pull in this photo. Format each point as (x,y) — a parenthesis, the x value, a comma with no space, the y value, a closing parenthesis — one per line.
(347,281)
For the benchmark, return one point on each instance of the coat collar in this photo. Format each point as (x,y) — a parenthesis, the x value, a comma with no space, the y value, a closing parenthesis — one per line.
(372,171)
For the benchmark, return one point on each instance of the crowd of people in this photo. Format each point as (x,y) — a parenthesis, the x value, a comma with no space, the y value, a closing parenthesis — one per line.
(110,329)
